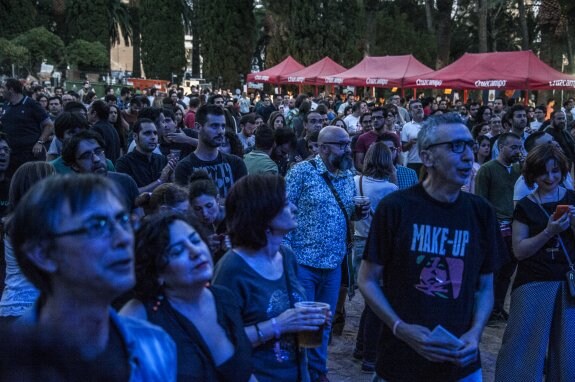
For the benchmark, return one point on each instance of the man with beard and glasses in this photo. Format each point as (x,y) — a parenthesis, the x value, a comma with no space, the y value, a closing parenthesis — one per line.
(435,248)
(224,169)
(495,181)
(321,240)
(85,153)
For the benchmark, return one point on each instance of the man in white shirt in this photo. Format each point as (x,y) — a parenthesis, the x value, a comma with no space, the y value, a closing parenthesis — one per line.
(409,135)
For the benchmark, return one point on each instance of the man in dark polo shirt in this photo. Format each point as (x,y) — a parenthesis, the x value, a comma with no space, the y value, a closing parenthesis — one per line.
(148,169)
(26,124)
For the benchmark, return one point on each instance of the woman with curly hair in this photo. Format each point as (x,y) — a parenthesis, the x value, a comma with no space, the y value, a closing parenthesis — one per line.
(173,271)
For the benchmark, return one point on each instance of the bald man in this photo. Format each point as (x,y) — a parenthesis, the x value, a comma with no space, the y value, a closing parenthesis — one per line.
(323,190)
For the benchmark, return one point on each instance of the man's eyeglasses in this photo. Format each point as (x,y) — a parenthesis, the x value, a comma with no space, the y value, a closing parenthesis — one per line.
(90,154)
(100,226)
(457,146)
(341,145)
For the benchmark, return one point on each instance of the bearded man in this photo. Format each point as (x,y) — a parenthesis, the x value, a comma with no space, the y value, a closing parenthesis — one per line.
(323,190)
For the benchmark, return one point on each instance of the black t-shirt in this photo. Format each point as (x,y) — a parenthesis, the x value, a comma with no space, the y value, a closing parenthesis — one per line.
(261,299)
(4,189)
(113,363)
(549,263)
(225,170)
(143,170)
(432,254)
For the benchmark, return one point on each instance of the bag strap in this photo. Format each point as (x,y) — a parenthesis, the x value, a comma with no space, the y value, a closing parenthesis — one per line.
(325,177)
(348,231)
(361,184)
(560,240)
(292,304)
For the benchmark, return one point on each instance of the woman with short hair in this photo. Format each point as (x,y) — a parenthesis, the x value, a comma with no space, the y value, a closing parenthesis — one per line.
(541,324)
(262,275)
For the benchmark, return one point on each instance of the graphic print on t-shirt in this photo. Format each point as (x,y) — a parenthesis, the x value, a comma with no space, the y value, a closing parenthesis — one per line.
(221,174)
(439,259)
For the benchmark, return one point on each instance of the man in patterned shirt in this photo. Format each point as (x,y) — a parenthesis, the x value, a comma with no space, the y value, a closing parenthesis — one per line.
(319,242)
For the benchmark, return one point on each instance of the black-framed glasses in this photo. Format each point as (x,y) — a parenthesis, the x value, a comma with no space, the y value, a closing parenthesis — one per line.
(88,155)
(100,226)
(341,145)
(457,146)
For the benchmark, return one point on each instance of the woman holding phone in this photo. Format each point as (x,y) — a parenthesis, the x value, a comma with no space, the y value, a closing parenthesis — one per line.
(542,315)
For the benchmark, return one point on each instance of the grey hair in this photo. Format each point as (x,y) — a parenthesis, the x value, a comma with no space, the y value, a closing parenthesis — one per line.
(428,133)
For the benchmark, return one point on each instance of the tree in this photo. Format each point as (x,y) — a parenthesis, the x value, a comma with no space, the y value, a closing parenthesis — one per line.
(87,55)
(397,32)
(12,54)
(105,21)
(16,17)
(42,45)
(309,31)
(162,38)
(227,33)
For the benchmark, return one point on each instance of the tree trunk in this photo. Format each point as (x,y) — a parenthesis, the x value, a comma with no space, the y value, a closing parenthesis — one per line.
(482,12)
(443,32)
(523,25)
(136,39)
(429,15)
(196,65)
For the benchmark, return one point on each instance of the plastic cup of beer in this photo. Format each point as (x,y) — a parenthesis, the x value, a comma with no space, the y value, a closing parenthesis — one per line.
(360,201)
(312,338)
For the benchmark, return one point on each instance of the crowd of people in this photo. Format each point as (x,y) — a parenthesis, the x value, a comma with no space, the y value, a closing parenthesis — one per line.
(152,236)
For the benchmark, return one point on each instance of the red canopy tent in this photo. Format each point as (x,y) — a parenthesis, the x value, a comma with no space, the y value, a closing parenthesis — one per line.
(312,74)
(500,70)
(273,74)
(385,72)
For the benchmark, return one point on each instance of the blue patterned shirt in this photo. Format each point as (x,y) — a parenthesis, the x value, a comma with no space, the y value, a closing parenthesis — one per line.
(406,177)
(320,239)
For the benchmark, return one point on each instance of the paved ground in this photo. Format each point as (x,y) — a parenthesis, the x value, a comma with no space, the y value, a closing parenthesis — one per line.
(343,368)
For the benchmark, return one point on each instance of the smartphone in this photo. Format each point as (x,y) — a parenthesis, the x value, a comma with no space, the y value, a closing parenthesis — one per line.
(561,210)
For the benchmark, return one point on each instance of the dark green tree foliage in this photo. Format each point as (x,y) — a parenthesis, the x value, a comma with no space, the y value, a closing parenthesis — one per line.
(87,20)
(400,31)
(311,30)
(42,44)
(227,32)
(12,54)
(87,55)
(162,38)
(16,17)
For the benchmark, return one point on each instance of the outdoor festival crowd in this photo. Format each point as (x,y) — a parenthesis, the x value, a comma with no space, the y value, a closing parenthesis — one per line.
(212,236)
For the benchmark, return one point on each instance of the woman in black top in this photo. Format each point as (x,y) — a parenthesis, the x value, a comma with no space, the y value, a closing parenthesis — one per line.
(173,271)
(542,316)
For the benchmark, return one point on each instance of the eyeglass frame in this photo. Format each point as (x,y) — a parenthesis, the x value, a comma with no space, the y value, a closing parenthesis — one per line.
(123,219)
(463,142)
